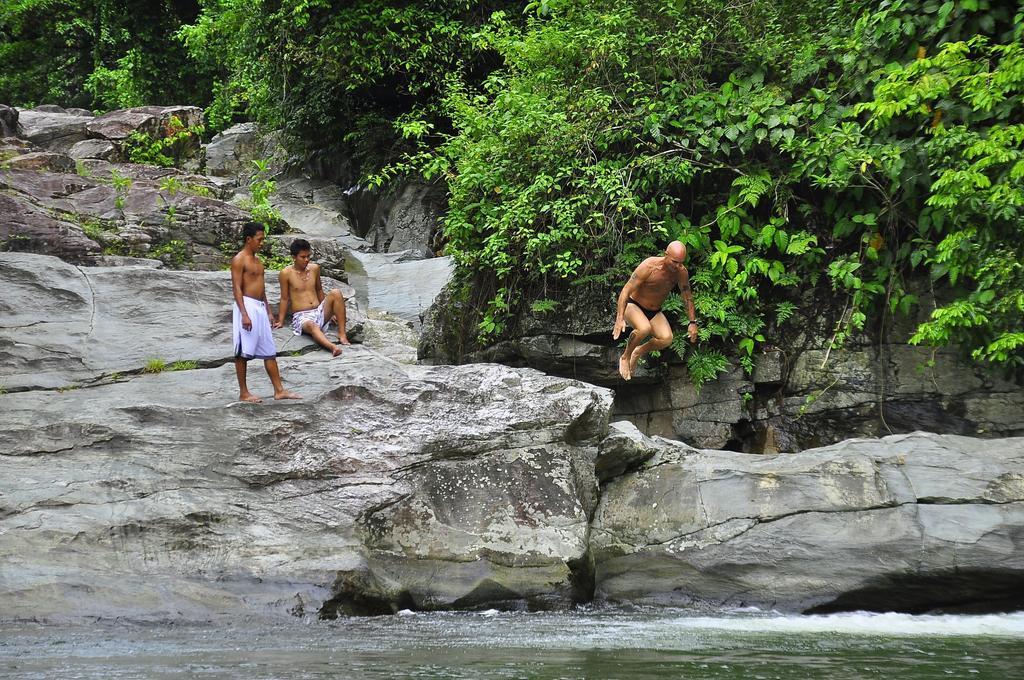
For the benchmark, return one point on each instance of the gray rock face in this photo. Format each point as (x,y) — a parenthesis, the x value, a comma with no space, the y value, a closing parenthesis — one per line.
(39,161)
(53,211)
(230,152)
(154,497)
(55,131)
(573,339)
(81,134)
(623,449)
(63,325)
(155,121)
(93,148)
(26,227)
(863,524)
(405,218)
(801,400)
(9,122)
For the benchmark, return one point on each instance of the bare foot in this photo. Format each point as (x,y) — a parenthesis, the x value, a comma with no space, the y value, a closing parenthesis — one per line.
(249,397)
(632,362)
(343,339)
(285,394)
(624,368)
(335,350)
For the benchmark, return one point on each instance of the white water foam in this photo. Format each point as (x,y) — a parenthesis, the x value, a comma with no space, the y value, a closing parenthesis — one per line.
(865,623)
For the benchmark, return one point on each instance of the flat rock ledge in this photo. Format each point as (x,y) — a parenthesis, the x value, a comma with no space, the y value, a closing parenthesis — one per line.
(154,496)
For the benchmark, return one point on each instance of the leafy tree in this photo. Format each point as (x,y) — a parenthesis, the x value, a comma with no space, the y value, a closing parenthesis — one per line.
(98,54)
(851,161)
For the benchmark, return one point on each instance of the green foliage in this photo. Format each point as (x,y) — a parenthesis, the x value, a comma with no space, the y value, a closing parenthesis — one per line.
(174,253)
(705,365)
(98,54)
(122,185)
(198,190)
(543,306)
(275,256)
(165,150)
(261,188)
(882,140)
(183,366)
(345,72)
(155,365)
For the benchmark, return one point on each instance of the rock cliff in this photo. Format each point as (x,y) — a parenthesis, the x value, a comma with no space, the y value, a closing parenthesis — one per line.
(154,496)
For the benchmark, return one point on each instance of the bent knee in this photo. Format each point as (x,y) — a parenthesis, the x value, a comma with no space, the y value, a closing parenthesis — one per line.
(642,331)
(336,294)
(662,342)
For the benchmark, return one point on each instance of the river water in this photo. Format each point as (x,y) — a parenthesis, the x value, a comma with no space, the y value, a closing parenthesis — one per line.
(632,644)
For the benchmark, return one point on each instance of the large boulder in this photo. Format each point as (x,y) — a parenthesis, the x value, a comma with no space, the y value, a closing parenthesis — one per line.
(913,522)
(39,161)
(53,130)
(405,218)
(26,227)
(152,121)
(93,148)
(231,152)
(134,218)
(154,496)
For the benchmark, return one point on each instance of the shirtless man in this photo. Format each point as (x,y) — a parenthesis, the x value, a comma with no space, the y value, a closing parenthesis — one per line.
(640,306)
(251,316)
(312,311)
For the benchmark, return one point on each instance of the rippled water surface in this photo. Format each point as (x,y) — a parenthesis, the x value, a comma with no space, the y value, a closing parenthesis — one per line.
(591,644)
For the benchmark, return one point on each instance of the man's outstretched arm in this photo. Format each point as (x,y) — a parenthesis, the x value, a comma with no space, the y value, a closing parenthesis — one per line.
(691,312)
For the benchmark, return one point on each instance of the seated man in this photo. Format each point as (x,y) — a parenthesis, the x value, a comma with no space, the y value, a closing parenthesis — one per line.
(312,311)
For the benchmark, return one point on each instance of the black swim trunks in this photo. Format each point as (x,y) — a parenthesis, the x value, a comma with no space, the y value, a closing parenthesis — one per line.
(649,313)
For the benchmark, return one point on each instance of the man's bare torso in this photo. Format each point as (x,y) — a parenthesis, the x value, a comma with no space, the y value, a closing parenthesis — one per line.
(302,287)
(652,291)
(253,284)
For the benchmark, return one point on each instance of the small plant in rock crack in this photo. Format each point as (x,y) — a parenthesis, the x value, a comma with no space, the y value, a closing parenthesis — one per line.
(183,366)
(169,188)
(260,190)
(122,185)
(155,365)
(174,252)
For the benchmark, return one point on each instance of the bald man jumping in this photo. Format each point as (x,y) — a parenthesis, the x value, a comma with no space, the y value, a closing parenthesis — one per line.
(640,306)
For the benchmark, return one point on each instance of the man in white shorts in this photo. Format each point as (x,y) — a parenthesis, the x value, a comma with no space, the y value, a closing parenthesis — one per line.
(302,290)
(251,328)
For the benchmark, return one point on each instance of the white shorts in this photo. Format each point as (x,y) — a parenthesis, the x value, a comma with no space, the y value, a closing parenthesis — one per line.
(258,342)
(315,315)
